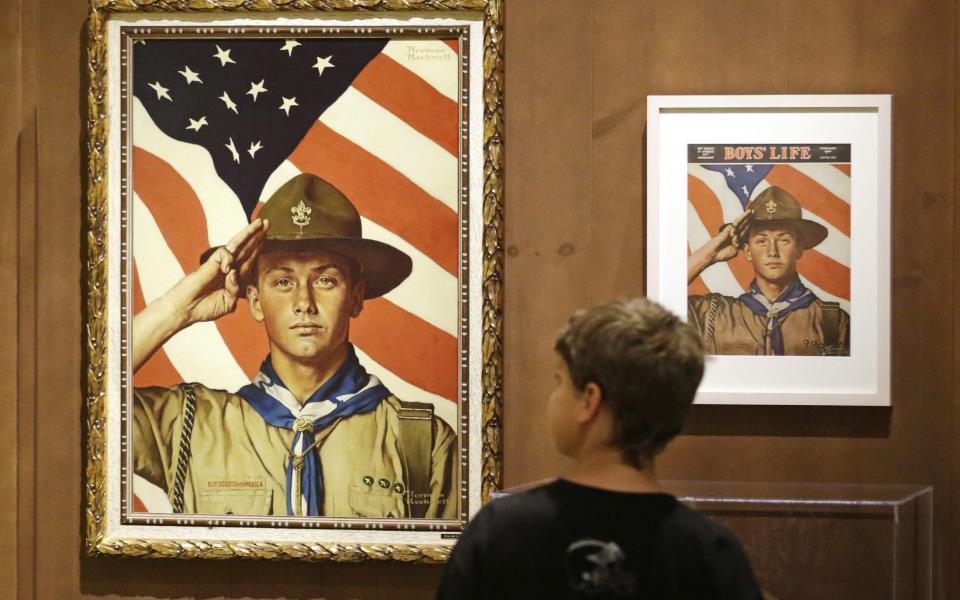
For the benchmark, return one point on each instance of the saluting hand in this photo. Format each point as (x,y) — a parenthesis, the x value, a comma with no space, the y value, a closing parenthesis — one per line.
(726,244)
(212,291)
(722,247)
(207,294)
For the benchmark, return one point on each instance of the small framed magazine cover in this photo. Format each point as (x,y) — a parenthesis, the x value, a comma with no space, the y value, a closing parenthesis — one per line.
(768,228)
(294,265)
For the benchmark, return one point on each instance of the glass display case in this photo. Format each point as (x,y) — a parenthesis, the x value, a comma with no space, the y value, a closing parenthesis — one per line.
(826,540)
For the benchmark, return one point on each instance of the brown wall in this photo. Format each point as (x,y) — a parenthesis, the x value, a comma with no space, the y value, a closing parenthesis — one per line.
(578,73)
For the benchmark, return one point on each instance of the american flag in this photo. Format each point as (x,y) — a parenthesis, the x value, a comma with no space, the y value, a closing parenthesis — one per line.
(718,193)
(219,124)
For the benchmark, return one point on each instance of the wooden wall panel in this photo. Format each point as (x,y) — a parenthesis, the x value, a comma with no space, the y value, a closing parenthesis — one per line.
(831,47)
(25,286)
(578,74)
(9,127)
(58,399)
(549,235)
(947,577)
(616,179)
(906,49)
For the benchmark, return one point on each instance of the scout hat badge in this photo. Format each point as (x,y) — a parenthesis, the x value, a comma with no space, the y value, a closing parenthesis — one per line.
(301,215)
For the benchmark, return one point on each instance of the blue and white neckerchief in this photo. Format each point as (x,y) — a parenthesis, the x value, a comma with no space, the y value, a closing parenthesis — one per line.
(794,297)
(350,391)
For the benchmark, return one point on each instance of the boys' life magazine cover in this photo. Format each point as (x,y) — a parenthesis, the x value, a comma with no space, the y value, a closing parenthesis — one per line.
(768,241)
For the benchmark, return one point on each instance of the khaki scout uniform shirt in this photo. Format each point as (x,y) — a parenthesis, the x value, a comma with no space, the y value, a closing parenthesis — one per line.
(738,330)
(239,461)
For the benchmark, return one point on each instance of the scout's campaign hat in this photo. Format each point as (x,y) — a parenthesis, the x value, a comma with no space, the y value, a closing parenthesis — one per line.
(775,207)
(309,213)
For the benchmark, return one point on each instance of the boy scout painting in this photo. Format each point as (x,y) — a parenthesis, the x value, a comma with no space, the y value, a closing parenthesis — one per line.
(295,223)
(769,242)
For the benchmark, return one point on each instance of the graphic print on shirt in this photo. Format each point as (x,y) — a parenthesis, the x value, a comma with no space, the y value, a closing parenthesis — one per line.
(597,567)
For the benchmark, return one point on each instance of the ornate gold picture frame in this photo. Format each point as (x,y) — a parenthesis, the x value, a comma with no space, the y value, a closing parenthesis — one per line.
(294,276)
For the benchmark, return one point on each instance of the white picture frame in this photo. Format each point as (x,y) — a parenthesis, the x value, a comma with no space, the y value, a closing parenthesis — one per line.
(676,125)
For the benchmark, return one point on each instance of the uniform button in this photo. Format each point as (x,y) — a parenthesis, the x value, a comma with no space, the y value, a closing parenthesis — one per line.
(367,480)
(398,487)
(384,483)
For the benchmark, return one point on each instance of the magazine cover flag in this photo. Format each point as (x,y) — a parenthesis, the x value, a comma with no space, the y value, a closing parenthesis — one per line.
(219,125)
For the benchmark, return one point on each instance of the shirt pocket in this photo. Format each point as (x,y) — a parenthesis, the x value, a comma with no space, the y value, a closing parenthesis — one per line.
(235,502)
(368,501)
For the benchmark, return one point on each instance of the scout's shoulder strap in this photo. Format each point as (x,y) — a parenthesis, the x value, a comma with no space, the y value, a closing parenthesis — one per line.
(183,450)
(830,323)
(709,329)
(415,431)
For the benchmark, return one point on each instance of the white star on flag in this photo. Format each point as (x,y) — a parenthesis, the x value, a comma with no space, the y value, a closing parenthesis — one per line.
(223,56)
(744,189)
(288,103)
(256,89)
(161,91)
(231,105)
(730,172)
(196,124)
(323,63)
(254,147)
(749,168)
(289,46)
(190,75)
(233,151)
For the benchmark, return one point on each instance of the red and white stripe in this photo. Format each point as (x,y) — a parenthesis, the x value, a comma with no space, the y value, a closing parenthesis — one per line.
(391,144)
(823,191)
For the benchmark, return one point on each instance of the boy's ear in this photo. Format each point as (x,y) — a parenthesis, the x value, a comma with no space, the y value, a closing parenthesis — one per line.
(358,291)
(591,398)
(253,301)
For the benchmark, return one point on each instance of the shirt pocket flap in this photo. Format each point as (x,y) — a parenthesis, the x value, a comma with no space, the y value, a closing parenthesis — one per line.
(366,501)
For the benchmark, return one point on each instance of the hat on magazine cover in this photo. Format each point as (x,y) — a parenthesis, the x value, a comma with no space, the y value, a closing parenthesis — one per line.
(775,207)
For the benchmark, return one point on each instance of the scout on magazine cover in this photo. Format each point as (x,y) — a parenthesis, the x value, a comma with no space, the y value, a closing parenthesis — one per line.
(768,238)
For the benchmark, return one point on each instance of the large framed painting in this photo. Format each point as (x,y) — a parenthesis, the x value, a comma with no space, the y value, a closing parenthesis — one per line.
(294,237)
(768,228)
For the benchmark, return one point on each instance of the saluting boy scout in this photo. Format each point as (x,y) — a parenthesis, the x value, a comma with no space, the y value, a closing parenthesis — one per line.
(778,315)
(314,434)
